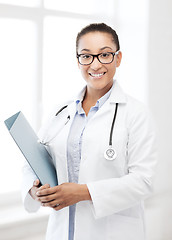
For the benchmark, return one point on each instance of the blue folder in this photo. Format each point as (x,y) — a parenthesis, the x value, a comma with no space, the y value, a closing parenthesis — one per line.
(35,153)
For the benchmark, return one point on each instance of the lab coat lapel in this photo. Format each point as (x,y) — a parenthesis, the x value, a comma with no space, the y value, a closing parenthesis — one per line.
(63,174)
(117,95)
(71,109)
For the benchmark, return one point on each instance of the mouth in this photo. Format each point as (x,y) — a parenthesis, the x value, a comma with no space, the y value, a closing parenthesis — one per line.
(97,75)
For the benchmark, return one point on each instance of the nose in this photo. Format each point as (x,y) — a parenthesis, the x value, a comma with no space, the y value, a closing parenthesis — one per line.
(96,64)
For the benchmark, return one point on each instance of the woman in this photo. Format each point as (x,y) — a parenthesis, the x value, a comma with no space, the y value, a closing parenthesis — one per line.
(104,153)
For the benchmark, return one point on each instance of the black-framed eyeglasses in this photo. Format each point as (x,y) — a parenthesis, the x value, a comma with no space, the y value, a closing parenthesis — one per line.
(104,58)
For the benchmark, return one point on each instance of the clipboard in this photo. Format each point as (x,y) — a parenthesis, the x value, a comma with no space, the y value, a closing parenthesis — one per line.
(35,153)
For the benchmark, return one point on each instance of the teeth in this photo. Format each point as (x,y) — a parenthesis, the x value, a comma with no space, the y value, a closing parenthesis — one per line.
(96,75)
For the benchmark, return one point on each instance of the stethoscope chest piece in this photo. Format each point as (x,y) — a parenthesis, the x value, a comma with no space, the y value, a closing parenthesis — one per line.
(110,154)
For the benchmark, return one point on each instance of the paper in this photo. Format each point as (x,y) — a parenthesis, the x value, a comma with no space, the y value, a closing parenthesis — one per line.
(35,153)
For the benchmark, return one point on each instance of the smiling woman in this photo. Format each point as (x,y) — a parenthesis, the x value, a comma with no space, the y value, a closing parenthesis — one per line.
(39,69)
(103,180)
(101,64)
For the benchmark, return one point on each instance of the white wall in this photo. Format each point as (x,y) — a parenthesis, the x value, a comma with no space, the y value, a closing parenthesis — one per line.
(160,99)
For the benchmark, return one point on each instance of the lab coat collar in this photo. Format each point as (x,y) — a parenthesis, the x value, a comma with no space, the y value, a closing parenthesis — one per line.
(98,104)
(117,94)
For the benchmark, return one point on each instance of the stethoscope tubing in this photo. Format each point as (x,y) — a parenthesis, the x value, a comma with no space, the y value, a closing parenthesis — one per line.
(113,124)
(61,109)
(110,153)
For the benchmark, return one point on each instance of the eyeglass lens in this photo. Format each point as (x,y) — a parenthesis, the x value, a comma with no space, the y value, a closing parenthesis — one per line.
(105,58)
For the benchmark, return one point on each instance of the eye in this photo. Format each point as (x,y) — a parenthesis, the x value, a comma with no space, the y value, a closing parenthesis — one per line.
(105,55)
(85,56)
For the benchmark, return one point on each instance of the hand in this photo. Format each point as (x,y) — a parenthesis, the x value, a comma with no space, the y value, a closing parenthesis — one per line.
(35,188)
(63,195)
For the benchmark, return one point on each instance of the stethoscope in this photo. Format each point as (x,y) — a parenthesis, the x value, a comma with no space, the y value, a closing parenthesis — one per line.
(110,153)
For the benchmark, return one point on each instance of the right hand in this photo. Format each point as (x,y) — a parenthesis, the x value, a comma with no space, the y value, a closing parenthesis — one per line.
(36,187)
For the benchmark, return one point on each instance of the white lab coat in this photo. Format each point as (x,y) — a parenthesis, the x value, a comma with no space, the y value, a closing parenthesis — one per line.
(117,187)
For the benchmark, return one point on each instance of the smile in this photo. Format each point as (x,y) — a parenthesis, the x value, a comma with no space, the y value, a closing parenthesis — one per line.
(96,75)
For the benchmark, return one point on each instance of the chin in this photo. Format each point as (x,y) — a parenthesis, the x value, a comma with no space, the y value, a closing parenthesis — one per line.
(101,84)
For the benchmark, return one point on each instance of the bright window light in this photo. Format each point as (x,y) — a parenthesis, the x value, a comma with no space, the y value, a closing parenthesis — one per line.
(98,7)
(61,76)
(18,61)
(26,3)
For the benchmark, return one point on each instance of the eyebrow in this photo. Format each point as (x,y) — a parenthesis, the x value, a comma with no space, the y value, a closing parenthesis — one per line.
(85,49)
(103,48)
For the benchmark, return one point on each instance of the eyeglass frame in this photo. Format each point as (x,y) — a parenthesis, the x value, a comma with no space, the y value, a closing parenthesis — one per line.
(97,56)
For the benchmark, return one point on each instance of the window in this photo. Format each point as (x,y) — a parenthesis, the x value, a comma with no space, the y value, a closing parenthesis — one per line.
(61,76)
(37,63)
(93,8)
(18,61)
(30,3)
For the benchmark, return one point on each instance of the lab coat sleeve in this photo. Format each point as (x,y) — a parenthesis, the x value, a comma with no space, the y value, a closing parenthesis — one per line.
(116,194)
(27,182)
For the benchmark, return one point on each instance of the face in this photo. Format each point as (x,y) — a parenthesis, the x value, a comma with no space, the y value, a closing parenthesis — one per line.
(97,75)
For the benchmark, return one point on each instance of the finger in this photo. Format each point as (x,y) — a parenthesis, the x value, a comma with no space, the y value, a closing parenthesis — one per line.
(58,207)
(43,191)
(44,186)
(50,204)
(53,204)
(41,188)
(47,198)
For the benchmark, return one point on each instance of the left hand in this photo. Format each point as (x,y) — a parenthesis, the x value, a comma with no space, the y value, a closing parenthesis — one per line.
(63,195)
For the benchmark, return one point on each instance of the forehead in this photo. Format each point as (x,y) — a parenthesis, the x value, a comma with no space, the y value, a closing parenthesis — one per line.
(94,41)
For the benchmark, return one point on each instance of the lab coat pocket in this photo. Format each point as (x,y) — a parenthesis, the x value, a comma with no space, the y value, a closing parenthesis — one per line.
(125,227)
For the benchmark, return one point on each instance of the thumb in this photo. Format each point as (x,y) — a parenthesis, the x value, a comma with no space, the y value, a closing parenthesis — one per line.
(36,182)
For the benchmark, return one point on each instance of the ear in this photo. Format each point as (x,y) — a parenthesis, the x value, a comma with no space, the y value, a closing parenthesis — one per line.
(119,58)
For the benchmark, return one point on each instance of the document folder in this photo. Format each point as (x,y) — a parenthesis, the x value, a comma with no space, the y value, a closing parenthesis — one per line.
(35,153)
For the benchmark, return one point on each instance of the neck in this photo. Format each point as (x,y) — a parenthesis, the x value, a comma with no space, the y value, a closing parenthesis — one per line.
(91,97)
